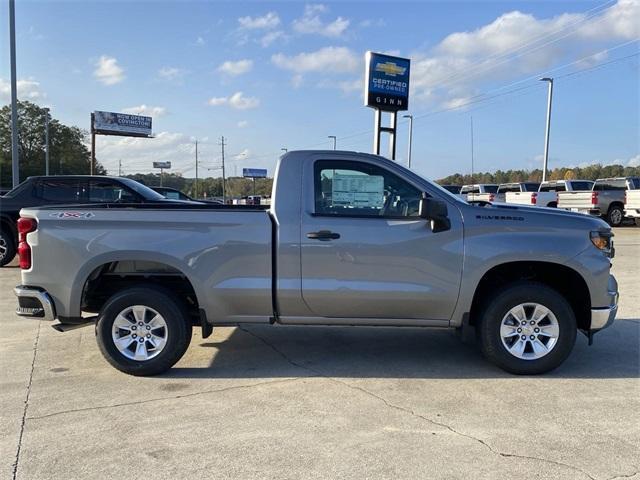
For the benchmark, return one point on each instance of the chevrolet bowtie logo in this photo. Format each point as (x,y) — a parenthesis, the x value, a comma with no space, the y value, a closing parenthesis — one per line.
(390,68)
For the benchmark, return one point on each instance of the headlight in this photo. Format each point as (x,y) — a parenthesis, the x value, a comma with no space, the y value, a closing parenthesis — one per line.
(602,241)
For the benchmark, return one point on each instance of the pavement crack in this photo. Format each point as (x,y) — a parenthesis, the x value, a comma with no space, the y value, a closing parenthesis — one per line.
(630,475)
(159,399)
(412,412)
(26,403)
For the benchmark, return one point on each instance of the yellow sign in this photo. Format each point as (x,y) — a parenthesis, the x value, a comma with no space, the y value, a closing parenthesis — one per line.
(390,68)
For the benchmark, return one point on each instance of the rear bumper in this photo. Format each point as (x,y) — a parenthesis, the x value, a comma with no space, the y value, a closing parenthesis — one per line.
(34,302)
(603,317)
(633,212)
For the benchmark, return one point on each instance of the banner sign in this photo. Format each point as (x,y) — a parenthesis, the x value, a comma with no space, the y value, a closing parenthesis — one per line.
(110,123)
(254,172)
(163,165)
(387,82)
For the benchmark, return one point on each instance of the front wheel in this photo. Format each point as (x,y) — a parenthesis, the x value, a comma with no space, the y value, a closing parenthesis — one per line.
(143,331)
(527,329)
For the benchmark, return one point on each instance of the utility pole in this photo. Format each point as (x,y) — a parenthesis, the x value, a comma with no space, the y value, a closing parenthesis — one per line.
(334,140)
(224,192)
(195,188)
(548,127)
(472,149)
(93,145)
(15,159)
(410,117)
(46,141)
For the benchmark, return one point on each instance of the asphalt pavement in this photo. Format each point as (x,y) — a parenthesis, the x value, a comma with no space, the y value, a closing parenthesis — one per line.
(317,402)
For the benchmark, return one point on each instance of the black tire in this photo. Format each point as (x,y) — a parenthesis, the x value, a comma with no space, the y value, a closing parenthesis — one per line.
(552,205)
(175,316)
(7,247)
(615,216)
(495,310)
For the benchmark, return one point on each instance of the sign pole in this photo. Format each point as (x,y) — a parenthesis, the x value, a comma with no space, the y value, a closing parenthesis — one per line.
(46,141)
(15,152)
(376,135)
(392,135)
(93,144)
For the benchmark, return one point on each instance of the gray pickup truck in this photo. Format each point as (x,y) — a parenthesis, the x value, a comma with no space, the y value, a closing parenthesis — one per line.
(605,200)
(349,239)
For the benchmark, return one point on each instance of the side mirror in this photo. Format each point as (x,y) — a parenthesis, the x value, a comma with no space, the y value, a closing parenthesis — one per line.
(435,211)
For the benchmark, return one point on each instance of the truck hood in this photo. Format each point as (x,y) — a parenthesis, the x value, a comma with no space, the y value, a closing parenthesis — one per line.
(554,217)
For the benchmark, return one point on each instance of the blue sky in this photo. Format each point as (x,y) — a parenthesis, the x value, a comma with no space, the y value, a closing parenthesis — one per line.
(272,75)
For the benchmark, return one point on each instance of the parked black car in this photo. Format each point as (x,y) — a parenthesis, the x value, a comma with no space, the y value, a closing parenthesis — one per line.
(64,190)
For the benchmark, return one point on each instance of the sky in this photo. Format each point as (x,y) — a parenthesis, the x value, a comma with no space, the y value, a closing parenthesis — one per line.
(269,76)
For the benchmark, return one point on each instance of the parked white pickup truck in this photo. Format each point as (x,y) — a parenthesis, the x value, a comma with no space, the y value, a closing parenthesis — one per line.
(632,205)
(479,192)
(547,194)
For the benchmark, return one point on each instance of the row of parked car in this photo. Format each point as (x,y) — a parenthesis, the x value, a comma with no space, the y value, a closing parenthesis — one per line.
(613,199)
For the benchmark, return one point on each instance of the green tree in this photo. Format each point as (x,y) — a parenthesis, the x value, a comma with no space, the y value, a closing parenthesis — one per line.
(68,153)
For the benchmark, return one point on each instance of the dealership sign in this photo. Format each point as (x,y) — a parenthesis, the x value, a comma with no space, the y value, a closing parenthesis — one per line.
(163,165)
(387,82)
(254,172)
(110,123)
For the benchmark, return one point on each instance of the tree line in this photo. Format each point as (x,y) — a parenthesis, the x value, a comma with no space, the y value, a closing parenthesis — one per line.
(591,172)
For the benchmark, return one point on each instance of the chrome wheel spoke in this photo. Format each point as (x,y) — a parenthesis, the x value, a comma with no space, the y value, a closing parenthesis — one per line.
(529,331)
(135,341)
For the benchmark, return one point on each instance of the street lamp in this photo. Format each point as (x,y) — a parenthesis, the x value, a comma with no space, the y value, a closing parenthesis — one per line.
(334,140)
(410,117)
(46,141)
(548,128)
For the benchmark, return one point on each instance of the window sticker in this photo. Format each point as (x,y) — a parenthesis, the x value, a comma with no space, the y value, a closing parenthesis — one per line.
(357,191)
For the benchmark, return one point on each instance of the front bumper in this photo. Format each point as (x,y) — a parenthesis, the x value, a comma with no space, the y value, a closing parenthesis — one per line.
(34,302)
(604,316)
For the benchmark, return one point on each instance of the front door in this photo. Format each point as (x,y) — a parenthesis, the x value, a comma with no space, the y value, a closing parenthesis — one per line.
(367,254)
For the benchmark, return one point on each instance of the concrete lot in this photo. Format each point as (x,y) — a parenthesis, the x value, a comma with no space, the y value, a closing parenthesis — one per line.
(298,402)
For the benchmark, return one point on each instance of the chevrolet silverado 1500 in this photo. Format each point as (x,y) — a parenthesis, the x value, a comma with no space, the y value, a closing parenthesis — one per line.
(349,239)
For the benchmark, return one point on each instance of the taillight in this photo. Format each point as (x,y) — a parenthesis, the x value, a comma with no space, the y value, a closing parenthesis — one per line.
(25,225)
(594,198)
(534,198)
(491,197)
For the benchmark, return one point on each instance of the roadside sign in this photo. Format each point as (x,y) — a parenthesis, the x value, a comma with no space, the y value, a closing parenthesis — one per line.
(163,165)
(254,172)
(123,124)
(387,82)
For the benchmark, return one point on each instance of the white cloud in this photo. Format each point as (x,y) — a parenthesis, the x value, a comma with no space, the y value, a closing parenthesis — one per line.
(146,110)
(199,42)
(236,68)
(242,155)
(270,20)
(326,60)
(310,22)
(107,71)
(271,37)
(28,89)
(517,44)
(171,73)
(243,124)
(634,161)
(237,101)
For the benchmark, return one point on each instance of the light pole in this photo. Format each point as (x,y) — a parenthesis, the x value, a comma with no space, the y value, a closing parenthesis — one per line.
(46,141)
(285,150)
(15,159)
(410,117)
(548,128)
(334,140)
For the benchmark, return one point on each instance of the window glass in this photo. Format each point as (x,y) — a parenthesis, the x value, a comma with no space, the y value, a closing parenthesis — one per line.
(470,189)
(491,189)
(531,187)
(553,187)
(508,188)
(106,191)
(60,191)
(360,189)
(581,185)
(601,185)
(635,183)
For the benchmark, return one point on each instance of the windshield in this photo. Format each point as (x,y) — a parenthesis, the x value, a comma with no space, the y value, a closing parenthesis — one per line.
(143,190)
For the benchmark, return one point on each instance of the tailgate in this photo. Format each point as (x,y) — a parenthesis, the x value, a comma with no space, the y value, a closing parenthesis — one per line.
(633,200)
(522,198)
(575,200)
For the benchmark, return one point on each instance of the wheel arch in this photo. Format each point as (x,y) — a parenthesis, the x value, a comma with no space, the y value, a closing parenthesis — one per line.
(567,281)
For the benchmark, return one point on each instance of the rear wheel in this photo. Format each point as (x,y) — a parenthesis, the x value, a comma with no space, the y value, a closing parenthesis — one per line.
(615,216)
(143,330)
(528,328)
(7,247)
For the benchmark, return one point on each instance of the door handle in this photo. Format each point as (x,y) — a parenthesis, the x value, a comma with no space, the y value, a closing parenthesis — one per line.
(323,235)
